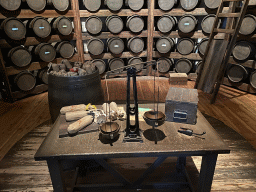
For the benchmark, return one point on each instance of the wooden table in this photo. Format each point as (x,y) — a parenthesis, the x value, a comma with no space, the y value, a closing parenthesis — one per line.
(88,146)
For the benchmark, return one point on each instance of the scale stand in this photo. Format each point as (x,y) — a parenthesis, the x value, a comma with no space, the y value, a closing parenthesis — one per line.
(132,132)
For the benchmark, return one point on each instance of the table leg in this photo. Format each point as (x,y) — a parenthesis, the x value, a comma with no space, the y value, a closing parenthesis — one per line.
(181,163)
(56,175)
(207,172)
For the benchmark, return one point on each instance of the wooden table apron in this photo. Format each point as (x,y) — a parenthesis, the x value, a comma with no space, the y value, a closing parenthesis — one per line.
(88,146)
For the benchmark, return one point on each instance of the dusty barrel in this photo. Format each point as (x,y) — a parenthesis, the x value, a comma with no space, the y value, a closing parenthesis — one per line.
(134,5)
(95,46)
(185,46)
(100,64)
(13,28)
(166,5)
(187,23)
(114,5)
(137,62)
(63,25)
(114,24)
(66,91)
(45,51)
(212,4)
(253,79)
(20,56)
(166,23)
(183,66)
(207,23)
(36,5)
(237,73)
(202,46)
(92,5)
(10,5)
(243,50)
(60,5)
(93,25)
(43,76)
(115,45)
(164,44)
(135,23)
(40,26)
(25,81)
(189,5)
(164,64)
(65,49)
(135,44)
(248,25)
(116,63)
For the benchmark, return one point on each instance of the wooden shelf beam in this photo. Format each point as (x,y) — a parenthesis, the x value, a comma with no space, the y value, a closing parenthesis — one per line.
(110,56)
(27,13)
(38,89)
(106,35)
(242,86)
(105,13)
(176,55)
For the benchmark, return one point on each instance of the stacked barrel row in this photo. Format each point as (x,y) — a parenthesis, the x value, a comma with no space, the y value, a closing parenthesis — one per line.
(115,24)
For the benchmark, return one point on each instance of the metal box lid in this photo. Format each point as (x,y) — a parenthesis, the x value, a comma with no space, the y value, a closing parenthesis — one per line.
(182,95)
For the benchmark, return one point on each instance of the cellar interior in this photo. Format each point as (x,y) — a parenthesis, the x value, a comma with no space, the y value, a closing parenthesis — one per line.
(187,64)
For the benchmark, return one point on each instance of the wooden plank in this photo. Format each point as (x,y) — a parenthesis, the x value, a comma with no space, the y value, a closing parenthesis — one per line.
(35,41)
(176,55)
(110,56)
(105,13)
(242,86)
(150,40)
(36,65)
(38,89)
(106,35)
(27,13)
(249,63)
(78,29)
(196,35)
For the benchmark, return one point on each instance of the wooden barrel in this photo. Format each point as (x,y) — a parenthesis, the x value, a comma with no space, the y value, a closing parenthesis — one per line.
(243,50)
(45,51)
(40,26)
(237,73)
(253,79)
(13,28)
(20,56)
(115,45)
(25,81)
(136,60)
(198,67)
(187,23)
(60,5)
(164,44)
(114,5)
(189,5)
(93,25)
(248,25)
(164,64)
(114,24)
(135,23)
(95,46)
(134,5)
(212,4)
(100,64)
(207,23)
(166,5)
(135,44)
(202,46)
(92,5)
(63,25)
(36,5)
(185,46)
(66,91)
(10,5)
(116,63)
(166,23)
(65,49)
(43,76)
(183,66)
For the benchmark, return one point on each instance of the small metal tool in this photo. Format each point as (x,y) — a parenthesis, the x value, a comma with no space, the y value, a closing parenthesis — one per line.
(190,132)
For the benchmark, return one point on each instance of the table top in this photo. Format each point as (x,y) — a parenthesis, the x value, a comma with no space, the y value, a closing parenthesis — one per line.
(172,143)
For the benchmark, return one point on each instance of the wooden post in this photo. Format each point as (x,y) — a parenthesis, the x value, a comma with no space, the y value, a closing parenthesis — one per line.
(151,7)
(78,30)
